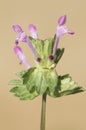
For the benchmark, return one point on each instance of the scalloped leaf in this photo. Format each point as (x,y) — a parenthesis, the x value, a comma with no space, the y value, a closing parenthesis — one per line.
(37,81)
(67,86)
(43,47)
(20,90)
(41,79)
(47,79)
(21,73)
(23,93)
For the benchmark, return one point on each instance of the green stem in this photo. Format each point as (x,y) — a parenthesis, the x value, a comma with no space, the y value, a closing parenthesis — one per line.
(43,112)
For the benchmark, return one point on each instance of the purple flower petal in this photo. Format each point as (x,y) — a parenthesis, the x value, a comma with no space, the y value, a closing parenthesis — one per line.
(32,48)
(33,31)
(21,56)
(71,32)
(17,49)
(61,30)
(22,36)
(62,20)
(17,28)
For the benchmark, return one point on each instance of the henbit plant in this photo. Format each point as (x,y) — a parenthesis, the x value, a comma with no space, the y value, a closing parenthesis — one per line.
(43,78)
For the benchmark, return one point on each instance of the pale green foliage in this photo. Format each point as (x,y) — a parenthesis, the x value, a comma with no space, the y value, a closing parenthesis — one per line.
(43,78)
(43,47)
(20,90)
(44,50)
(37,81)
(66,86)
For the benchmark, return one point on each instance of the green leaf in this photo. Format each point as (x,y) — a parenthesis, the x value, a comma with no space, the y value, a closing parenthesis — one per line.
(28,74)
(41,79)
(48,47)
(23,93)
(36,80)
(59,54)
(15,82)
(20,90)
(13,90)
(52,80)
(43,47)
(21,73)
(47,80)
(38,45)
(66,86)
(42,82)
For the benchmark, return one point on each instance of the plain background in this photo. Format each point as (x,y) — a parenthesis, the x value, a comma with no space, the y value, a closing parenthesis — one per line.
(66,113)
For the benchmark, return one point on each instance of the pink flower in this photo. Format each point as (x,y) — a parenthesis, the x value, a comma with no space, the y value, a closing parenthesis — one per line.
(21,56)
(33,31)
(60,31)
(62,20)
(22,37)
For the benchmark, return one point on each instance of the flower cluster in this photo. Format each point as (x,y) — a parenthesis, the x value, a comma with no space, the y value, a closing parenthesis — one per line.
(43,78)
(22,37)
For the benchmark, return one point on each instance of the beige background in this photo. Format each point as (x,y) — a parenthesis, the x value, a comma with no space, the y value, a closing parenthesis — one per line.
(66,113)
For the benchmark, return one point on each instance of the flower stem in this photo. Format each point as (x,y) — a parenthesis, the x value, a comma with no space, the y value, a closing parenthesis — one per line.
(43,112)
